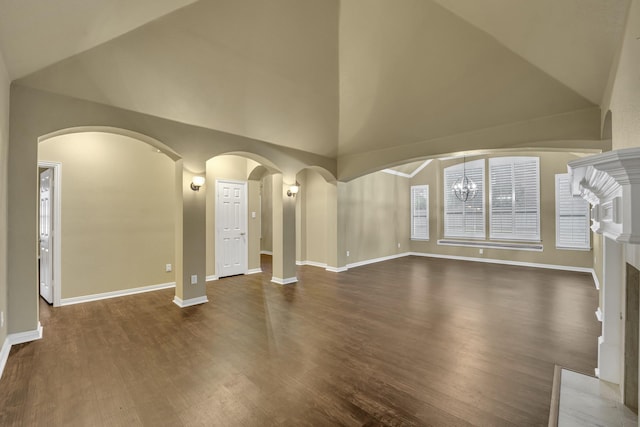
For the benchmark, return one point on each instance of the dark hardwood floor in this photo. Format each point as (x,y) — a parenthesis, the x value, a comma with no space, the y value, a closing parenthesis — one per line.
(413,341)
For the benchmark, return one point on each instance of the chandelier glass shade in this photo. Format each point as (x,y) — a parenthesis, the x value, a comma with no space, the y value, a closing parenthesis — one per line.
(464,188)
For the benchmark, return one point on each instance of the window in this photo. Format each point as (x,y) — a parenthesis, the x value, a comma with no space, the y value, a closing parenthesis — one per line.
(572,217)
(514,198)
(464,219)
(420,212)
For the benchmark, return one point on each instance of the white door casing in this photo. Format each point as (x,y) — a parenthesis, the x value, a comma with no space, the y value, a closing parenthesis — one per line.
(46,238)
(231,228)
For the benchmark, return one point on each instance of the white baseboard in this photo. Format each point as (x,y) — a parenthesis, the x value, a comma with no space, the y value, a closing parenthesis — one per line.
(595,279)
(254,271)
(23,337)
(115,294)
(505,262)
(312,263)
(4,354)
(287,281)
(15,339)
(266,253)
(464,258)
(374,260)
(211,278)
(599,314)
(190,302)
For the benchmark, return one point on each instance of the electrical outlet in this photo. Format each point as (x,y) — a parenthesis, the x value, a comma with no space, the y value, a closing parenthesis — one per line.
(481,251)
(167,268)
(347,253)
(1,319)
(253,214)
(398,245)
(194,279)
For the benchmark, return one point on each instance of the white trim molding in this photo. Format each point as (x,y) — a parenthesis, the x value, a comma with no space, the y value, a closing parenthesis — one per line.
(266,253)
(534,247)
(254,271)
(287,281)
(23,337)
(211,278)
(599,314)
(610,182)
(56,168)
(505,262)
(595,279)
(312,263)
(15,339)
(189,302)
(4,354)
(408,175)
(116,294)
(375,260)
(464,258)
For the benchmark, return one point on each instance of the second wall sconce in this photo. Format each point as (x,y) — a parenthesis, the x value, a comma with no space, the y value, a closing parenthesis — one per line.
(196,182)
(293,190)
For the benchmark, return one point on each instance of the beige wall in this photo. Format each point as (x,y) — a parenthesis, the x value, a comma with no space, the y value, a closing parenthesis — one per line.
(266,241)
(4,146)
(311,217)
(117,212)
(377,216)
(550,164)
(235,168)
(301,217)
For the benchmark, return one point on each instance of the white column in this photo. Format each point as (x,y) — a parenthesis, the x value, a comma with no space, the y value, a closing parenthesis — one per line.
(610,349)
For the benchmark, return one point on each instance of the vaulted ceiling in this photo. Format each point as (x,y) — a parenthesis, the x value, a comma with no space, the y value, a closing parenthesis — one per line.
(325,76)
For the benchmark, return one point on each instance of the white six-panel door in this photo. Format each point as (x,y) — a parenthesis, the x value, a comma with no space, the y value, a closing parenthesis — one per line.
(231,228)
(46,241)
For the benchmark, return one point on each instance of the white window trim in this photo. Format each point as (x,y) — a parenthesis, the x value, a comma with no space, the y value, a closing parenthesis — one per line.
(585,246)
(475,164)
(413,237)
(497,161)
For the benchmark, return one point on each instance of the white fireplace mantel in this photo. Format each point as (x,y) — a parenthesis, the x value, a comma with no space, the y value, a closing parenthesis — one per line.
(611,183)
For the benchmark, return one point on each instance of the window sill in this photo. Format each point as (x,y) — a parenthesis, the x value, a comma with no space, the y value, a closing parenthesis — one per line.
(534,247)
(566,248)
(417,239)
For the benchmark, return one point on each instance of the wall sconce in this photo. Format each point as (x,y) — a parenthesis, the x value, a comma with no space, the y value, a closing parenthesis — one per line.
(293,190)
(197,182)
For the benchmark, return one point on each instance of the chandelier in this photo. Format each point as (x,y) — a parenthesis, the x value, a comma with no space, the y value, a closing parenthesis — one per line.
(464,188)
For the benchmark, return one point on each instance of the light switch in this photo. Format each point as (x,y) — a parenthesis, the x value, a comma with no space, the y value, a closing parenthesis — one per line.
(194,279)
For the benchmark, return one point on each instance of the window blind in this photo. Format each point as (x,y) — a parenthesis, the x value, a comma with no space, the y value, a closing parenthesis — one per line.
(572,217)
(464,219)
(514,198)
(420,212)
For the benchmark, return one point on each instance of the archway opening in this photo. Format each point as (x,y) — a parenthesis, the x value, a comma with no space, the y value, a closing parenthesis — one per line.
(115,194)
(236,247)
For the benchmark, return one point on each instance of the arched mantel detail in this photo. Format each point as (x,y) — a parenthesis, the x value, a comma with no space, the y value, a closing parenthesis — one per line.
(611,183)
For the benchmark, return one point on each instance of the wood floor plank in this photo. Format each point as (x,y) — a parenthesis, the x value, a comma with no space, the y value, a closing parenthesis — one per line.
(412,341)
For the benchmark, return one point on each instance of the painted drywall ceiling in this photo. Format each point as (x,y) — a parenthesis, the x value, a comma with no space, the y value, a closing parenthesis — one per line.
(36,33)
(573,41)
(265,70)
(420,72)
(336,78)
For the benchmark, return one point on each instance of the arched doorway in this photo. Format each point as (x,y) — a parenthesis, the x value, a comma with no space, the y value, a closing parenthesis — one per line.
(236,250)
(113,198)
